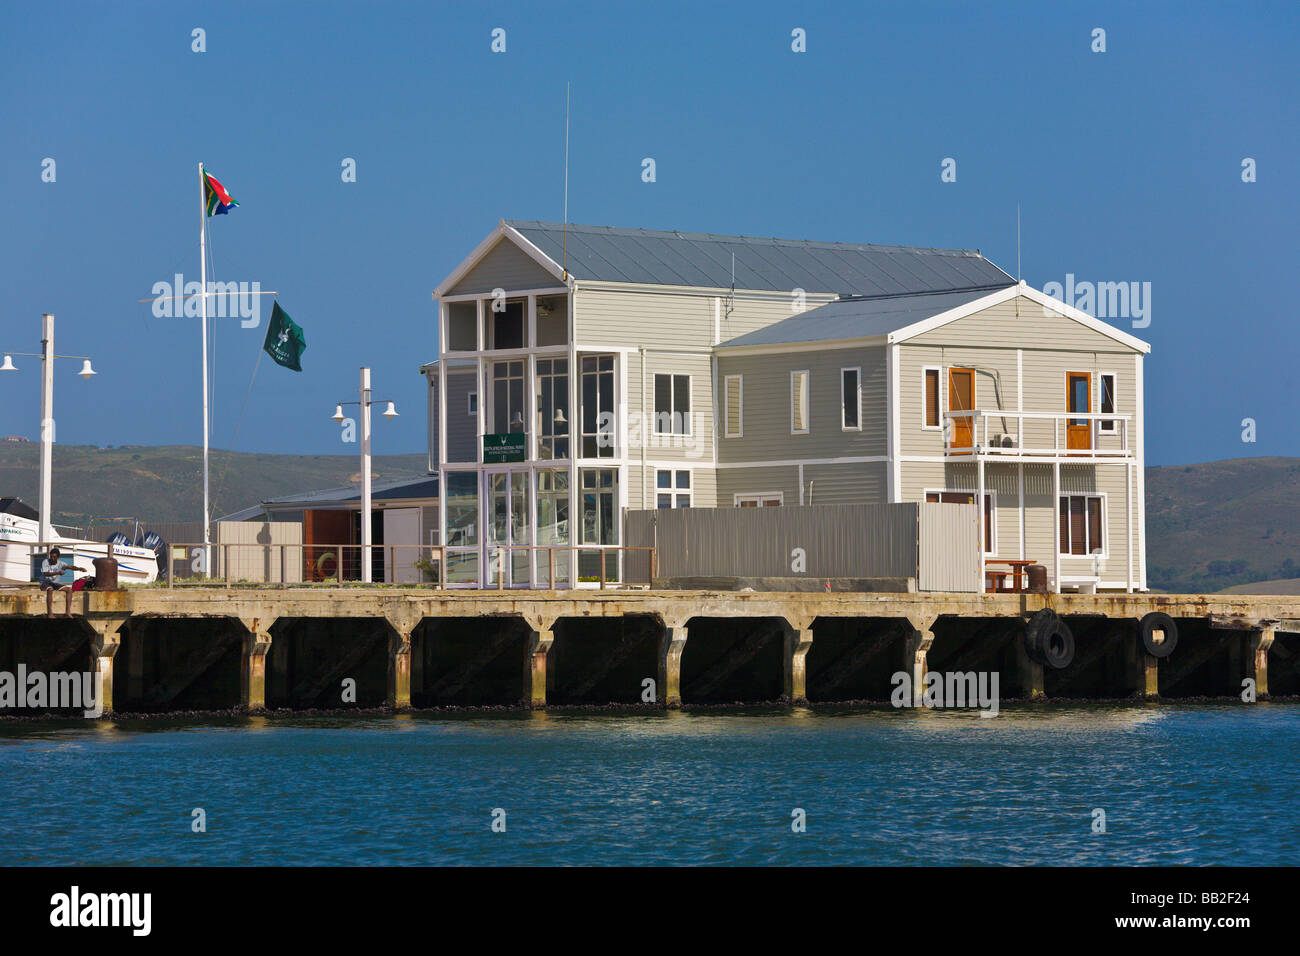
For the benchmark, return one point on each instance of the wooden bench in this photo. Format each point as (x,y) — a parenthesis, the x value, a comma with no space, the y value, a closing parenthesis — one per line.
(995,579)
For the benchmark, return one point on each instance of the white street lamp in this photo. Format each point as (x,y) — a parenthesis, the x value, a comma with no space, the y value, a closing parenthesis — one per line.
(47,357)
(390,412)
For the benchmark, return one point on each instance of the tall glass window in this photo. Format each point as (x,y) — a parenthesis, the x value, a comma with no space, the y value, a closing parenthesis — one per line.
(552,526)
(461,497)
(506,323)
(598,412)
(507,397)
(553,408)
(599,521)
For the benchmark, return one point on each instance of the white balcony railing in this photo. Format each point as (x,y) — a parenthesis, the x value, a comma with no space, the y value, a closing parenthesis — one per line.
(1011,434)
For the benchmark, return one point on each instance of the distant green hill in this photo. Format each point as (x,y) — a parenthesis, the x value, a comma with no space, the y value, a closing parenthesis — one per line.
(1209,526)
(166,483)
(1223,523)
(1282,586)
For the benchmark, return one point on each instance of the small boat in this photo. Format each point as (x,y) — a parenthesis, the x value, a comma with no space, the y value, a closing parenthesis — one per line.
(19,555)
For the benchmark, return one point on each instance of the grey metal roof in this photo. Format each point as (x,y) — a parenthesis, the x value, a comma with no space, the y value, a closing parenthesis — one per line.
(655,257)
(385,490)
(860,318)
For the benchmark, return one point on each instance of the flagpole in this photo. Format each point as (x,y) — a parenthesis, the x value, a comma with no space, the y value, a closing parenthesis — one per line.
(203,312)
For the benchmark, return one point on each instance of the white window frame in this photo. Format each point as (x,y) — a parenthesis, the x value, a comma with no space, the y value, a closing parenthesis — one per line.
(993,507)
(759,497)
(618,372)
(938,398)
(857,370)
(726,406)
(471,402)
(672,399)
(807,411)
(1108,427)
(1105,524)
(673,491)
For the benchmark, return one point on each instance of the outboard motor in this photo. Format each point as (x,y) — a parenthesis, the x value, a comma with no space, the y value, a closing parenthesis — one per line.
(154,542)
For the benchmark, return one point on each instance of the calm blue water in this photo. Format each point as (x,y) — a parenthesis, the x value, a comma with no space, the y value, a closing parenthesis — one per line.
(1179,784)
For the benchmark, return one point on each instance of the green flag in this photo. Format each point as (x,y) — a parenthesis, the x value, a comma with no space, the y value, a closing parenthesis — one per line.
(284,340)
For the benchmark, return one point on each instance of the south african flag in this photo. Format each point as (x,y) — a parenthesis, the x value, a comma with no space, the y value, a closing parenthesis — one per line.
(218,200)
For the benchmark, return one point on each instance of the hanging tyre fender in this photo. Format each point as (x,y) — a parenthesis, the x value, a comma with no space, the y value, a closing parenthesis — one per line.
(1159,634)
(1048,640)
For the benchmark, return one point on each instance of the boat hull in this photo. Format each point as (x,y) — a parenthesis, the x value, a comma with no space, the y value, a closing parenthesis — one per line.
(18,552)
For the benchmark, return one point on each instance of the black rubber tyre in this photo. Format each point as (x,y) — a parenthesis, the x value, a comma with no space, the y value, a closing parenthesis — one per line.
(1048,640)
(1159,634)
(1039,623)
(1058,646)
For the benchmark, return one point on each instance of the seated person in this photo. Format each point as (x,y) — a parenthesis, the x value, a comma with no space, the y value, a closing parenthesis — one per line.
(51,570)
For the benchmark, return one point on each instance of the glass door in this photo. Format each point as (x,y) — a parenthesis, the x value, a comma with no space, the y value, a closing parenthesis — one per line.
(1078,398)
(961,398)
(507,558)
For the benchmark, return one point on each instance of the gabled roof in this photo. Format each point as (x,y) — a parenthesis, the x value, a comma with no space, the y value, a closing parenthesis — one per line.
(657,257)
(897,319)
(704,260)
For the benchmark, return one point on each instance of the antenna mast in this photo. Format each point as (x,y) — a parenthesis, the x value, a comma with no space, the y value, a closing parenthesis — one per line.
(564,240)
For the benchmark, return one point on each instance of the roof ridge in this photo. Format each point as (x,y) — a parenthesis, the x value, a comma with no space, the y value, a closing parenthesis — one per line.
(715,237)
(867,297)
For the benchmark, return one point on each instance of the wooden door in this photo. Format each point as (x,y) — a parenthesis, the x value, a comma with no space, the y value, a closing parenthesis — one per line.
(1078,398)
(961,398)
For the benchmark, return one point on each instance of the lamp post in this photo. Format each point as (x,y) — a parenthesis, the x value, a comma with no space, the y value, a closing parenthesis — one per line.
(389,412)
(47,357)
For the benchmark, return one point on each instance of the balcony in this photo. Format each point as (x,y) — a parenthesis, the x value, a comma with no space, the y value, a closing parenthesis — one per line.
(997,435)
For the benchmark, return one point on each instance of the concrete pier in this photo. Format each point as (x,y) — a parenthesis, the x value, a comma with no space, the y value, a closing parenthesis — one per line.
(252,670)
(798,642)
(218,648)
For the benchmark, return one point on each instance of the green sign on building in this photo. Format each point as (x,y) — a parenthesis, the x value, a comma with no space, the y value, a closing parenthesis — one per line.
(503,447)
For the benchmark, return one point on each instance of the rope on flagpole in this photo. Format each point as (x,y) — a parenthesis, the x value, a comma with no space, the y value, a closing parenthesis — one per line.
(239,424)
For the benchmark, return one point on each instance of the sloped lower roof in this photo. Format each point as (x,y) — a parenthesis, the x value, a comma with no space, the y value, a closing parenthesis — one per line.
(655,257)
(860,317)
(388,489)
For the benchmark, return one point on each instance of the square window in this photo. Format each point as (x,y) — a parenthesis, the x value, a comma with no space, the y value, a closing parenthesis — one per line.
(672,394)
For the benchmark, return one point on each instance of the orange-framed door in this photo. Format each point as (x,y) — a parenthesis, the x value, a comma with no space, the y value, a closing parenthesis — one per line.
(1078,398)
(961,398)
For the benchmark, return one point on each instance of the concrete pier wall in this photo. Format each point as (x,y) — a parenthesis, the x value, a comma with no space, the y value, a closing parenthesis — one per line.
(252,649)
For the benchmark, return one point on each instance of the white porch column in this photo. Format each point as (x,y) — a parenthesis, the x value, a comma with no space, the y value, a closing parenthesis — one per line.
(1056,526)
(1128,527)
(979,510)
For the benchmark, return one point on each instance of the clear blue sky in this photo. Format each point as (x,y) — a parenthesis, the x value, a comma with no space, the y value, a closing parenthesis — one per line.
(1127,165)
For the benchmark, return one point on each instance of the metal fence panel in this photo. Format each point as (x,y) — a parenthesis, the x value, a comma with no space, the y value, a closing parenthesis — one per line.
(817,541)
(948,540)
